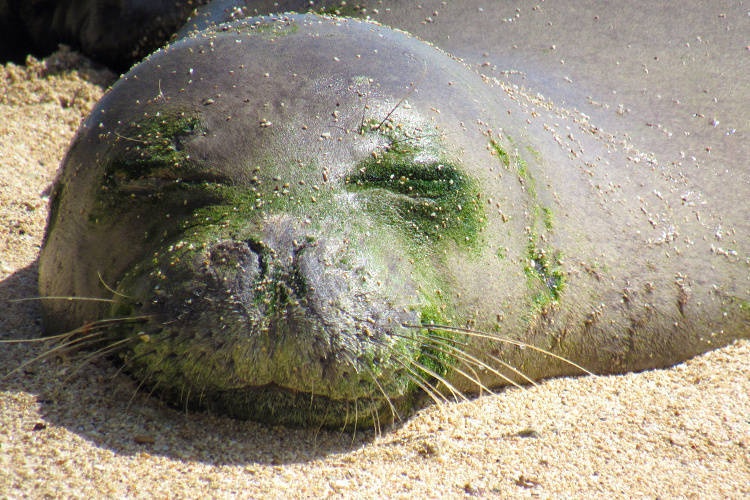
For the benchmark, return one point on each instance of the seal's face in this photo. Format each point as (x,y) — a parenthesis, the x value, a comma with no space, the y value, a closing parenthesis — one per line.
(279,206)
(302,282)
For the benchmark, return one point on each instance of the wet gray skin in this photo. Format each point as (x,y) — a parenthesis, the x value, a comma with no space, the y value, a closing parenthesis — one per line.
(668,76)
(281,209)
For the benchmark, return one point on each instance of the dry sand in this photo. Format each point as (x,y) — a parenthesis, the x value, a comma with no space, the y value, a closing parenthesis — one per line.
(680,432)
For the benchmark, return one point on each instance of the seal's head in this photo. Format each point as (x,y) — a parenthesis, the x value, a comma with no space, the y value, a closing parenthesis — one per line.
(273,207)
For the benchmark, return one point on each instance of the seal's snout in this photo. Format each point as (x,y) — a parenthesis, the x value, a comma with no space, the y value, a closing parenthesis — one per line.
(278,308)
(271,274)
(263,279)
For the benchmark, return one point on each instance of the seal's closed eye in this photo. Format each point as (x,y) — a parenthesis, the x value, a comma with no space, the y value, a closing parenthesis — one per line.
(431,180)
(150,156)
(417,186)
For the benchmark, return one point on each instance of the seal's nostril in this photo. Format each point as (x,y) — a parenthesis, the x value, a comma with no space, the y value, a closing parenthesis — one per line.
(233,261)
(262,253)
(228,252)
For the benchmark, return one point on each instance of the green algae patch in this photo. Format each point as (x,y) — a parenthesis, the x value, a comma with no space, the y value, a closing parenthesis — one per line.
(154,148)
(545,276)
(415,186)
(517,164)
(430,358)
(501,154)
(526,179)
(149,172)
(543,269)
(546,213)
(733,305)
(534,153)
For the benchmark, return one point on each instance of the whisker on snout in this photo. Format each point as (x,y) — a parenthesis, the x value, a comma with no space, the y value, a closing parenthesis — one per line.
(487,335)
(78,339)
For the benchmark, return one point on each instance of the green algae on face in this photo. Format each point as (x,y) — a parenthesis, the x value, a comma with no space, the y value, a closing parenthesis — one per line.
(415,186)
(412,190)
(517,164)
(501,154)
(201,371)
(547,218)
(412,185)
(149,172)
(154,148)
(390,370)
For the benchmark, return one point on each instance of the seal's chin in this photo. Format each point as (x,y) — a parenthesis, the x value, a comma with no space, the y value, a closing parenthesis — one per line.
(280,406)
(275,329)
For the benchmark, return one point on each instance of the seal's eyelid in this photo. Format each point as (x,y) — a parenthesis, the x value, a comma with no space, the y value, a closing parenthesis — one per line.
(203,177)
(157,181)
(432,180)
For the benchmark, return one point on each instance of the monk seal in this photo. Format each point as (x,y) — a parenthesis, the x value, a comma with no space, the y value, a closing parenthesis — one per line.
(314,221)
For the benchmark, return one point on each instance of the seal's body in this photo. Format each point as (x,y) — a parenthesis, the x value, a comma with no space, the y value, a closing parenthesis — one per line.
(308,221)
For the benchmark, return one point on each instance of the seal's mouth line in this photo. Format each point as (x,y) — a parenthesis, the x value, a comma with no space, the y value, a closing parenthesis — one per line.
(273,387)
(156,329)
